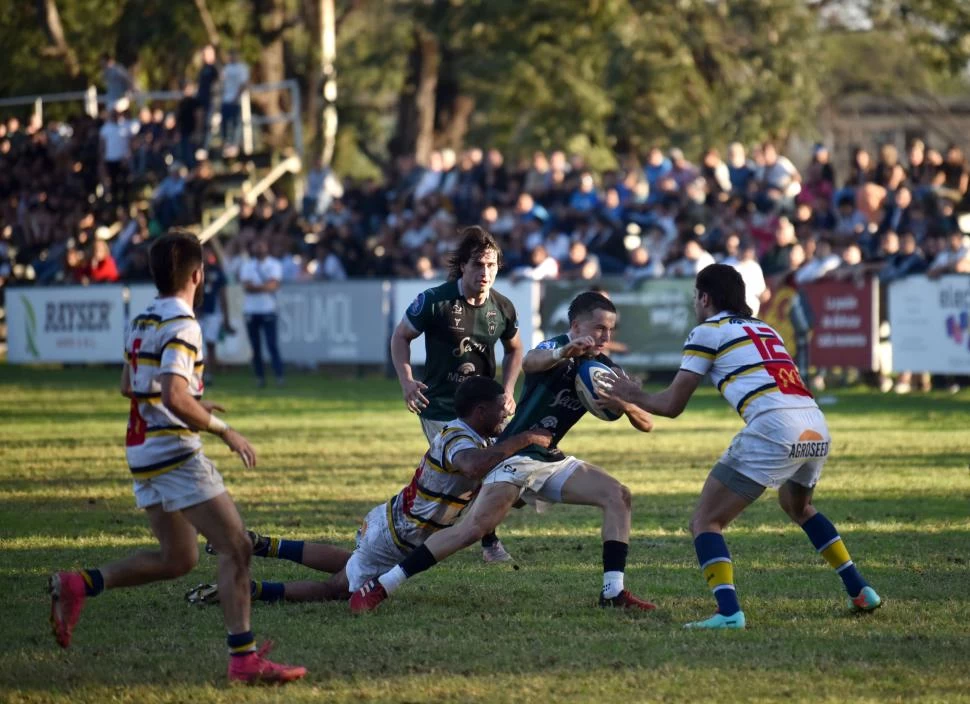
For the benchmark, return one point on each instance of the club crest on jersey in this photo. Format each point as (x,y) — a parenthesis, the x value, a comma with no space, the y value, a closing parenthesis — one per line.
(416,305)
(491,327)
(549,422)
(456,308)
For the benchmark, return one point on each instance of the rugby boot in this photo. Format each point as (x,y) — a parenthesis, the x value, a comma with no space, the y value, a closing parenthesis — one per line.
(867,601)
(254,668)
(626,600)
(67,600)
(368,597)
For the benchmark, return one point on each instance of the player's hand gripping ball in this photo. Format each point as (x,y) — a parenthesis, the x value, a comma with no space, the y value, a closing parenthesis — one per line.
(587,377)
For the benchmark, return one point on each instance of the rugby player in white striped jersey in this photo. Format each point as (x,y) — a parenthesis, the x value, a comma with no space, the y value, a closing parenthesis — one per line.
(444,484)
(784,444)
(179,488)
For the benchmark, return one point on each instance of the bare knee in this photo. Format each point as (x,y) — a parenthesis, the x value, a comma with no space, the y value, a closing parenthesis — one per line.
(617,497)
(701,522)
(238,551)
(180,561)
(797,504)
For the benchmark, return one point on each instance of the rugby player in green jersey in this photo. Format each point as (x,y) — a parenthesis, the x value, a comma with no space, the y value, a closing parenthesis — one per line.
(548,401)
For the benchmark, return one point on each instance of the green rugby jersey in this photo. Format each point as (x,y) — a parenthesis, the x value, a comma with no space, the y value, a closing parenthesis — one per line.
(459,340)
(549,401)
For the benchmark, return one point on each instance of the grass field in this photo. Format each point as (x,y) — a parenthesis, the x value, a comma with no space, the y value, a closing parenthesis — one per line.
(898,488)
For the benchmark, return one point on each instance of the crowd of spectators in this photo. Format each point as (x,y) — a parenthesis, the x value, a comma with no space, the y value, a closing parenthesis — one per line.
(69,212)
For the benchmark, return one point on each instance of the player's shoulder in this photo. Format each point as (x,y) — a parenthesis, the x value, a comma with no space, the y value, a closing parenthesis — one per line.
(502,301)
(432,297)
(554,342)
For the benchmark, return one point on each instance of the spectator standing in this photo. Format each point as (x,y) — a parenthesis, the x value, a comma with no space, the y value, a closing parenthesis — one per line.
(208,75)
(756,291)
(740,169)
(260,277)
(117,81)
(115,151)
(235,79)
(215,310)
(186,116)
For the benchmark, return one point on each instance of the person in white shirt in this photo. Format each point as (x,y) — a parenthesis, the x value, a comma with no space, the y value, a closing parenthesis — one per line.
(824,262)
(235,79)
(756,291)
(115,151)
(695,260)
(260,276)
(955,259)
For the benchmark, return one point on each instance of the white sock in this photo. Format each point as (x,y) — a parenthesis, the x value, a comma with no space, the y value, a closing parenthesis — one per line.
(393,578)
(612,584)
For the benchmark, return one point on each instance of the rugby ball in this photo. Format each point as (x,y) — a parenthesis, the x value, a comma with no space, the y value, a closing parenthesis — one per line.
(589,372)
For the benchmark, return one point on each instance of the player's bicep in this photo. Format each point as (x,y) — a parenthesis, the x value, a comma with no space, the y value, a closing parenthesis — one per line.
(174,389)
(126,380)
(512,344)
(406,331)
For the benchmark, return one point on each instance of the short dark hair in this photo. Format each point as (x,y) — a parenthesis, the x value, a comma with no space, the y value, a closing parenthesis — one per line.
(172,259)
(587,302)
(725,286)
(475,390)
(475,240)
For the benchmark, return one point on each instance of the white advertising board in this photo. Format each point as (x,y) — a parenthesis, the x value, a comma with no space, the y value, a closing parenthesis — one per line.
(930,330)
(65,324)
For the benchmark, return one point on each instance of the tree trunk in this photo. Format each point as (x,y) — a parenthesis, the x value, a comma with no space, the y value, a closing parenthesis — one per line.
(414,134)
(210,26)
(50,20)
(454,122)
(270,20)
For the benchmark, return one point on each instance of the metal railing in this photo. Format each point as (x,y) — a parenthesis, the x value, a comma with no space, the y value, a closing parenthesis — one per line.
(291,165)
(91,100)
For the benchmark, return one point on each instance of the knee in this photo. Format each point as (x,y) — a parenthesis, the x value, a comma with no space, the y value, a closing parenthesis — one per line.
(180,563)
(619,498)
(703,523)
(239,552)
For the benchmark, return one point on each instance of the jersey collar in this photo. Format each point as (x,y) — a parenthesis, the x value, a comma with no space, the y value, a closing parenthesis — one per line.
(181,305)
(479,438)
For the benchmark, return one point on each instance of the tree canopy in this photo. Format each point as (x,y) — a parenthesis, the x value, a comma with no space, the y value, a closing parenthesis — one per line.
(602,76)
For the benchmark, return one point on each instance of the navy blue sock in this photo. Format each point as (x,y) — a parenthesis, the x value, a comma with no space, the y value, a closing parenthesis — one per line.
(93,581)
(267,591)
(241,643)
(829,545)
(419,560)
(718,570)
(291,550)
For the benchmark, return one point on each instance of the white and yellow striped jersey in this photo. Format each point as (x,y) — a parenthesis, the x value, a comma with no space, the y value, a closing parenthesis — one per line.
(748,364)
(165,339)
(438,493)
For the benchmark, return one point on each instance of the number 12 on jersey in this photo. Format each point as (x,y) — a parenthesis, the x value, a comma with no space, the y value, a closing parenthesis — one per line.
(778,363)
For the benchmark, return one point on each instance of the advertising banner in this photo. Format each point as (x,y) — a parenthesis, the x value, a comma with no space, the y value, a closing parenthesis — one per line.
(844,323)
(65,324)
(653,319)
(930,324)
(334,322)
(523,294)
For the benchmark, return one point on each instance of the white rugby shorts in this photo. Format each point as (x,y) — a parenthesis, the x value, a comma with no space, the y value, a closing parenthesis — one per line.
(535,478)
(780,446)
(431,428)
(375,553)
(195,481)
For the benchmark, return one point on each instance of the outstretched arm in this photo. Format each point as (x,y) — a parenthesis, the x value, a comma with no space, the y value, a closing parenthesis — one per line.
(475,464)
(669,403)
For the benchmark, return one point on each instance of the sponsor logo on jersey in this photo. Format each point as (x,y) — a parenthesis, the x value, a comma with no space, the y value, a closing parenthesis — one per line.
(464,371)
(456,308)
(565,399)
(468,345)
(491,328)
(809,444)
(549,422)
(458,326)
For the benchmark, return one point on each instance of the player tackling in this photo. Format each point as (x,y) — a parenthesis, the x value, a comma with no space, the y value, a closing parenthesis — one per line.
(784,444)
(548,401)
(461,321)
(180,490)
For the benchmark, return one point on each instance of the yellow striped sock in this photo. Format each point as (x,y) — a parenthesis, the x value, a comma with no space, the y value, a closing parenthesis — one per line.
(835,553)
(719,574)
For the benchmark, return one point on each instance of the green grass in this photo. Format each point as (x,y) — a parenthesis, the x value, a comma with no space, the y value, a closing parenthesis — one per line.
(897,488)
